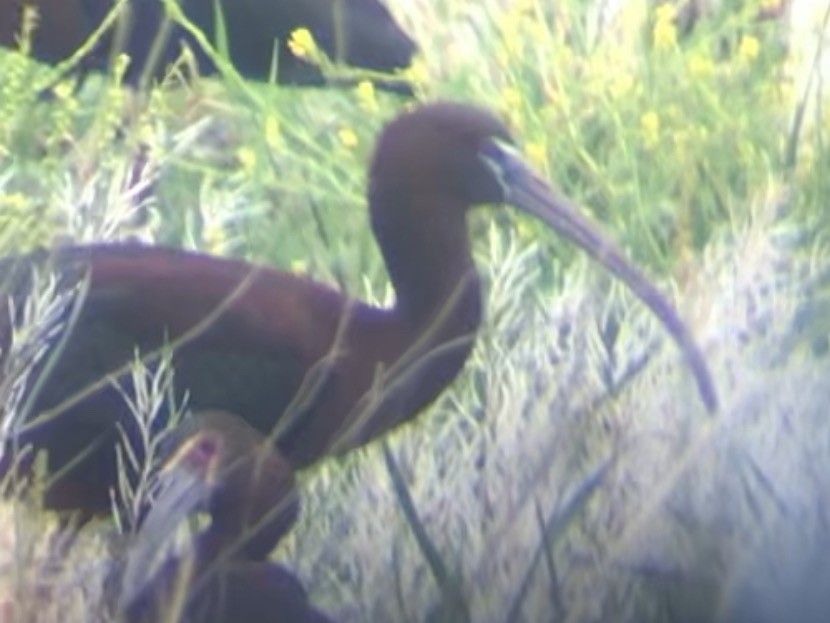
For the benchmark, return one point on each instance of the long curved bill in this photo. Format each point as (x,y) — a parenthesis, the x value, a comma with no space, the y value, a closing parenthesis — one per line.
(525,190)
(185,485)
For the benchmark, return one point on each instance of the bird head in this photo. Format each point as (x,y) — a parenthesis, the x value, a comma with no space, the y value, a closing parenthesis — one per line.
(225,468)
(435,162)
(368,36)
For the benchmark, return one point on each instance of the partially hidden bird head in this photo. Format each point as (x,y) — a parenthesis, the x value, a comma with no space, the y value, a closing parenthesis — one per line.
(224,467)
(363,33)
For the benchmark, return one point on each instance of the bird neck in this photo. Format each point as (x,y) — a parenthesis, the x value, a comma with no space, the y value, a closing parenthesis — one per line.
(395,362)
(438,305)
(254,507)
(427,254)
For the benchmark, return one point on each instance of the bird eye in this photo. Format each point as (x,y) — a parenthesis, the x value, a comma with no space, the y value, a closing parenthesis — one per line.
(504,161)
(205,449)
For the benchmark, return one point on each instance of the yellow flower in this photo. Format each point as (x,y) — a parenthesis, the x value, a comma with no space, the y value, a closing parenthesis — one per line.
(666,12)
(665,28)
(302,44)
(527,7)
(215,237)
(366,96)
(537,31)
(213,233)
(347,137)
(700,65)
(512,97)
(417,73)
(620,83)
(650,128)
(246,157)
(537,154)
(749,48)
(14,201)
(273,135)
(299,266)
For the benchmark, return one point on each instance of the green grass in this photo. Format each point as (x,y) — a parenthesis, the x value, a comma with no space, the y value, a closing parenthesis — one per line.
(572,473)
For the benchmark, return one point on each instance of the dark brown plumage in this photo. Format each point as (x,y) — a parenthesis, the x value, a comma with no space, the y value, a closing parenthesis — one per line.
(62,27)
(227,469)
(327,371)
(360,33)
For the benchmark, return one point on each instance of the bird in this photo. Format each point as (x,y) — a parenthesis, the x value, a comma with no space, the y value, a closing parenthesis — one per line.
(224,467)
(316,369)
(689,13)
(358,33)
(60,29)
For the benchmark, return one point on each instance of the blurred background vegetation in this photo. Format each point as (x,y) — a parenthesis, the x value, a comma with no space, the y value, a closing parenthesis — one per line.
(571,474)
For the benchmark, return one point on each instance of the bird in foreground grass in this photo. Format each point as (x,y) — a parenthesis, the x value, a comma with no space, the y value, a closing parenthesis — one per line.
(316,370)
(230,471)
(357,33)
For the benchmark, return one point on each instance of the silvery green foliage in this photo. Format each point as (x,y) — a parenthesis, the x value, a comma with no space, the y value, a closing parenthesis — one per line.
(35,327)
(111,202)
(34,552)
(698,518)
(115,200)
(695,507)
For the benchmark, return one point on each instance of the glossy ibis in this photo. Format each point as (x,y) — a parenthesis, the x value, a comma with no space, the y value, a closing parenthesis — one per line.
(359,33)
(227,469)
(321,370)
(690,12)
